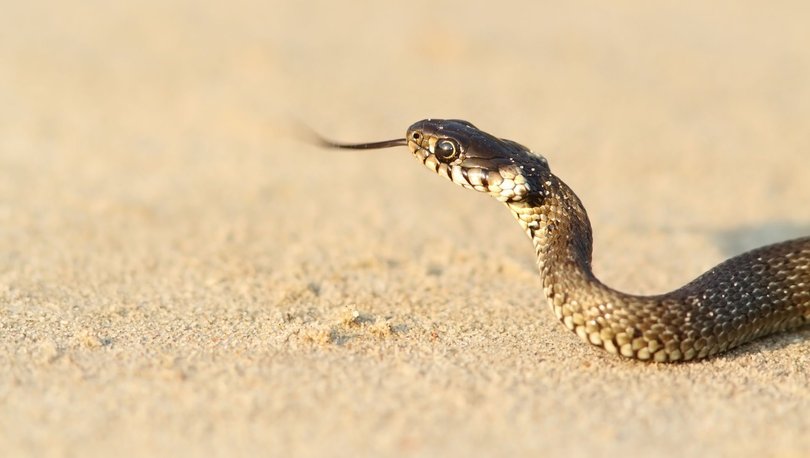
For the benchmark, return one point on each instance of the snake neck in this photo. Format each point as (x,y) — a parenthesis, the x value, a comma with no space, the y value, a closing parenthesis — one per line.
(556,222)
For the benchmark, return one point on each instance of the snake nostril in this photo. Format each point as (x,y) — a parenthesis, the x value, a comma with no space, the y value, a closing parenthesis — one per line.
(416,136)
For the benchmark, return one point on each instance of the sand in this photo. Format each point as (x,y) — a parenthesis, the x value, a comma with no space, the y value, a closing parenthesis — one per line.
(180,275)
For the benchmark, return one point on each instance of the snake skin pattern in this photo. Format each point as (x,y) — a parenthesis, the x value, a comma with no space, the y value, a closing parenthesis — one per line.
(752,295)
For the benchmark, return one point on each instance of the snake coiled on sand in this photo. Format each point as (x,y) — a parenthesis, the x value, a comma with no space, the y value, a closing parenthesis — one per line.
(760,292)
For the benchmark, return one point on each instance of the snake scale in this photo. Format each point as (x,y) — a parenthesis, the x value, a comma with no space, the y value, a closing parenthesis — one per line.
(760,292)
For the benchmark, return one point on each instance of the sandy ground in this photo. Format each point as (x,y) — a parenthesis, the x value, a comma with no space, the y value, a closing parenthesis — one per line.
(180,275)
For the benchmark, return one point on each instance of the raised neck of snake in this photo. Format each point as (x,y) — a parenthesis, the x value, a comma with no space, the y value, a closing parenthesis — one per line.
(557,224)
(757,293)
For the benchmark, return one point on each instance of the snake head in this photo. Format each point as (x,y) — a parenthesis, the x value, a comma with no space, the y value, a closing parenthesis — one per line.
(475,159)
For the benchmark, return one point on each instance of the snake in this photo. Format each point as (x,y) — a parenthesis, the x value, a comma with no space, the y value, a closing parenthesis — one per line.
(755,294)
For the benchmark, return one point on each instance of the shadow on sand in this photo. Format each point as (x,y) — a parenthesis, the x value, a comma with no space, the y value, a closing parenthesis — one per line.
(738,240)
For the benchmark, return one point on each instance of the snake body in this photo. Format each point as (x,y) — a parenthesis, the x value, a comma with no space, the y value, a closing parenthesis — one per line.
(760,292)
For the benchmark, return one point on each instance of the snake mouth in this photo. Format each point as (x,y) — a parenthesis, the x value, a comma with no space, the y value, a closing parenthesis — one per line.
(419,150)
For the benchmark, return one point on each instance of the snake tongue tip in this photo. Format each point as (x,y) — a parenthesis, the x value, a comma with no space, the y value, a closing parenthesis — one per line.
(316,139)
(371,145)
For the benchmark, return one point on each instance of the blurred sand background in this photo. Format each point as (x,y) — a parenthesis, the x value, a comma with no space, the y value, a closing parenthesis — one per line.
(180,276)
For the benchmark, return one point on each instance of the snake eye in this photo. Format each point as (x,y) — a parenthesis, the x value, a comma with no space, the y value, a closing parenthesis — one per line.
(446,150)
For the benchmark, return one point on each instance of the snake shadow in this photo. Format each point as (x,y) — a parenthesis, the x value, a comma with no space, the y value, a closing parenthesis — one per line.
(738,240)
(772,342)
